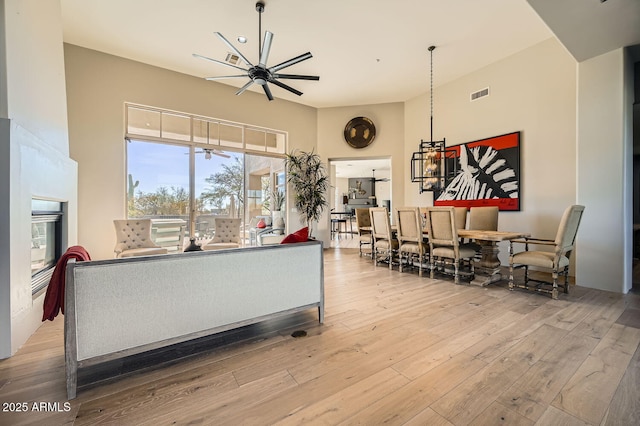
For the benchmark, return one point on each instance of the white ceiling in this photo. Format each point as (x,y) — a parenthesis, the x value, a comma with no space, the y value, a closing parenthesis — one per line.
(364,51)
(362,168)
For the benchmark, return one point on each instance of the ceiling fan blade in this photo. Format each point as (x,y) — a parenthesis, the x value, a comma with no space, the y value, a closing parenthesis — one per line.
(266,47)
(220,153)
(267,91)
(291,61)
(284,86)
(297,77)
(219,62)
(245,87)
(225,76)
(232,47)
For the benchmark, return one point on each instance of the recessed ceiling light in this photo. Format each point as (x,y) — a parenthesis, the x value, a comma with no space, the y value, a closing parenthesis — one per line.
(242,39)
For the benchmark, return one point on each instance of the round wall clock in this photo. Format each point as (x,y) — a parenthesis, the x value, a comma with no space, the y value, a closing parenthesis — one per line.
(359,132)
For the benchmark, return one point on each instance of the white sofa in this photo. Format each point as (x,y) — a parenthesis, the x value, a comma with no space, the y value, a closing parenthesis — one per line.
(119,307)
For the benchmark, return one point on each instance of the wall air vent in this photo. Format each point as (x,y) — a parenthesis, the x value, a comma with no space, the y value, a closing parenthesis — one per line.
(479,94)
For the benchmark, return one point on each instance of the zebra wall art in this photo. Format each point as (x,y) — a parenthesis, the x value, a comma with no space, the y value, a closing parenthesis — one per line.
(483,173)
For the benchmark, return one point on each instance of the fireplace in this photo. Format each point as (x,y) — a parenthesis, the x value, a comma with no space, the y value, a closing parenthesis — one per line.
(46,241)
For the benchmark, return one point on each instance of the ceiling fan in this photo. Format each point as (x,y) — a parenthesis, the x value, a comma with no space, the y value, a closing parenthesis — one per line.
(260,74)
(373,178)
(208,152)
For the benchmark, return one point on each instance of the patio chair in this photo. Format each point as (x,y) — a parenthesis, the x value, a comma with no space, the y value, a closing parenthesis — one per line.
(383,240)
(557,260)
(227,234)
(410,238)
(134,238)
(444,242)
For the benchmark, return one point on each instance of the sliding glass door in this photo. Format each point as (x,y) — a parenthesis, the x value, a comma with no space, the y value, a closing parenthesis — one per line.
(184,188)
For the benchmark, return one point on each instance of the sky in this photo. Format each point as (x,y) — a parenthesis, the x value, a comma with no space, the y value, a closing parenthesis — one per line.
(155,165)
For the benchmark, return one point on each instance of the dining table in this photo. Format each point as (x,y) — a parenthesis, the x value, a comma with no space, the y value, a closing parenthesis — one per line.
(487,270)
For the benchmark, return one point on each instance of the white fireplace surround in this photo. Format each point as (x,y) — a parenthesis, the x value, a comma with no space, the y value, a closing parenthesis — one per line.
(33,169)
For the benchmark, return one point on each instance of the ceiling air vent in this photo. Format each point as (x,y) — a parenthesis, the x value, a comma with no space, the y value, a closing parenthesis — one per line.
(479,94)
(232,58)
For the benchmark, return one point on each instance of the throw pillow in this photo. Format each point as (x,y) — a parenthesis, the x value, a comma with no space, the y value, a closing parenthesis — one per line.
(300,236)
(261,224)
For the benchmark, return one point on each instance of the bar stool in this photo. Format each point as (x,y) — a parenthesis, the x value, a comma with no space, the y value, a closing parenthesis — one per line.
(336,226)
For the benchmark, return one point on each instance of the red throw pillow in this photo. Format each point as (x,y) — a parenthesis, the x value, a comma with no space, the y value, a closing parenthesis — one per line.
(300,236)
(261,224)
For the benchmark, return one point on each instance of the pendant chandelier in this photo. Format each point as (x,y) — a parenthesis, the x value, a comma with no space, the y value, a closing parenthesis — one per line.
(427,164)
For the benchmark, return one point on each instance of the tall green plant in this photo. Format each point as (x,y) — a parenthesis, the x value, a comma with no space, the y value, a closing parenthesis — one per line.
(310,181)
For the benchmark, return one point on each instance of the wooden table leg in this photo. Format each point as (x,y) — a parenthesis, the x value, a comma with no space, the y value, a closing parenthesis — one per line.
(487,270)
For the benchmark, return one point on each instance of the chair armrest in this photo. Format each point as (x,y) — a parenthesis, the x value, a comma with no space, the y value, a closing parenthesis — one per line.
(542,241)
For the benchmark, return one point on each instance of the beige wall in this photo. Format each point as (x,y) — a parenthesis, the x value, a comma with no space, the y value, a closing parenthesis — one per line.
(98,85)
(534,92)
(389,122)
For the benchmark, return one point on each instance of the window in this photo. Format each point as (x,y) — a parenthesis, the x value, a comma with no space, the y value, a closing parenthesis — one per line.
(184,170)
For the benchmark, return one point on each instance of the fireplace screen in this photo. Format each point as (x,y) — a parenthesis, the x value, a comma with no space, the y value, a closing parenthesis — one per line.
(46,232)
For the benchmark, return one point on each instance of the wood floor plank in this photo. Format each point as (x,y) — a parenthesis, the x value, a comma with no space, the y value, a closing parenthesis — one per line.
(625,405)
(588,393)
(498,414)
(349,401)
(537,387)
(556,417)
(495,345)
(395,348)
(428,417)
(410,400)
(461,337)
(462,404)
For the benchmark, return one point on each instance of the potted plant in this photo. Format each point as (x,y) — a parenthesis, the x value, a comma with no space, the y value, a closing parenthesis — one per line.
(308,176)
(277,203)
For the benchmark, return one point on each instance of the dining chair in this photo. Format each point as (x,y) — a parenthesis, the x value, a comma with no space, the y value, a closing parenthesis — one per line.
(383,240)
(556,260)
(461,217)
(410,239)
(482,219)
(363,224)
(444,243)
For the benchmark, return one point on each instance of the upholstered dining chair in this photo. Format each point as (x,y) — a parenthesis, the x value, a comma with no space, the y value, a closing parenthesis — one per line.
(410,240)
(556,260)
(134,238)
(461,217)
(482,219)
(444,242)
(227,234)
(363,223)
(383,240)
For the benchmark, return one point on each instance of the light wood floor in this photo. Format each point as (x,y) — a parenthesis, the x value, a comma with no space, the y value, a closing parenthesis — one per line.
(395,349)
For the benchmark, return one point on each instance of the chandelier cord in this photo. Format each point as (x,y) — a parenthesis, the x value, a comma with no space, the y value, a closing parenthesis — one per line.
(431,48)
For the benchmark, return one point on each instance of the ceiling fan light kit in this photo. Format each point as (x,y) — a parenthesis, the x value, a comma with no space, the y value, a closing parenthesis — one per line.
(261,74)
